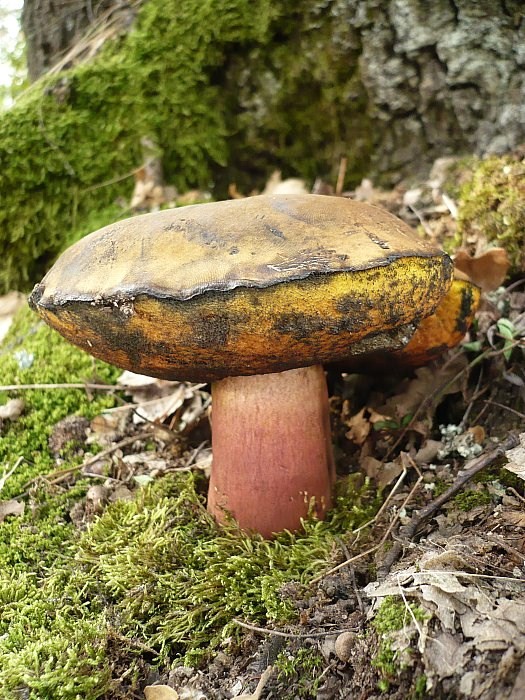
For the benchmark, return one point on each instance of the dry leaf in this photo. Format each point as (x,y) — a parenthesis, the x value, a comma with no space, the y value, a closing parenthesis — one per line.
(514,517)
(109,426)
(361,423)
(12,409)
(487,271)
(381,474)
(11,507)
(427,384)
(516,458)
(359,427)
(156,399)
(160,692)
(292,185)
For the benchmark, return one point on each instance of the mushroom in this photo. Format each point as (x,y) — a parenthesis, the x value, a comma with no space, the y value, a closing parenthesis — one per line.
(253,295)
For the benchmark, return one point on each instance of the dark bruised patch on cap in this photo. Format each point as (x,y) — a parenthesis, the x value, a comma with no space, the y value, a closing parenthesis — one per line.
(465,310)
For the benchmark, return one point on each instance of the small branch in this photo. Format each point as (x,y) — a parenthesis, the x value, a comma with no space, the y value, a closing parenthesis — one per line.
(57,476)
(260,686)
(341,176)
(375,547)
(506,408)
(9,472)
(426,513)
(288,635)
(83,385)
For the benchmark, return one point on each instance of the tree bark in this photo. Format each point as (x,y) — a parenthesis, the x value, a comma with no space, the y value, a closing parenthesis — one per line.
(51,28)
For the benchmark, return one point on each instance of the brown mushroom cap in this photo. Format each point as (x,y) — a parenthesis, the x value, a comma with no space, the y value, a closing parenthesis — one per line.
(241,287)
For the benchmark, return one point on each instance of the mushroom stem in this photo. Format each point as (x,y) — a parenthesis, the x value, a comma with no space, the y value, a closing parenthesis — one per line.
(272,451)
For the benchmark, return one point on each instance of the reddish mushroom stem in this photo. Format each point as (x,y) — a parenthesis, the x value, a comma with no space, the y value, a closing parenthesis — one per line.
(272,451)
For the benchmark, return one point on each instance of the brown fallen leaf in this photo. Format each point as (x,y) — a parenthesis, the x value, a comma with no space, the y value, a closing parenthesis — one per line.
(428,383)
(11,507)
(516,457)
(12,410)
(487,271)
(381,474)
(160,692)
(361,423)
(514,517)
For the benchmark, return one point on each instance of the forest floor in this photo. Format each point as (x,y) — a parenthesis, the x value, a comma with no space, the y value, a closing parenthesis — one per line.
(115,583)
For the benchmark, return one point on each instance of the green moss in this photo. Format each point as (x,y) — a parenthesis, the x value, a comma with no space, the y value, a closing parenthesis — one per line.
(213,82)
(467,500)
(420,688)
(33,353)
(491,205)
(300,670)
(392,616)
(154,572)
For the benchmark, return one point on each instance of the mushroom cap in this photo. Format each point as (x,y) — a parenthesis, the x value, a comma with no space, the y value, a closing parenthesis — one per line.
(240,287)
(443,329)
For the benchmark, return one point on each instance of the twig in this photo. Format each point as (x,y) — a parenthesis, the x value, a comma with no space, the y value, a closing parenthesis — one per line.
(79,385)
(507,408)
(9,472)
(133,642)
(373,549)
(409,532)
(288,635)
(263,680)
(468,574)
(341,176)
(57,476)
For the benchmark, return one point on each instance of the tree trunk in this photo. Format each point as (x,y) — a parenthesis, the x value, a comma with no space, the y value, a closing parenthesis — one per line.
(51,28)
(392,85)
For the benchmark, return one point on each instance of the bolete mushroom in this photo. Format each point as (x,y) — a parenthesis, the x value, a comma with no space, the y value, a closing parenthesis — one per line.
(253,295)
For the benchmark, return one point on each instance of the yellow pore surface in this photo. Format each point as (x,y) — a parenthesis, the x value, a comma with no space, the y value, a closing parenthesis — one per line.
(443,329)
(249,330)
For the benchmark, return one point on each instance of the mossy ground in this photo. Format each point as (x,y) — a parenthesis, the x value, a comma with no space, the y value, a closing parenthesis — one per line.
(393,615)
(490,195)
(150,582)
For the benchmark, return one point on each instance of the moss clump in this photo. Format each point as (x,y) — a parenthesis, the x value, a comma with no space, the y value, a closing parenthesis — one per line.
(300,669)
(491,205)
(393,615)
(32,353)
(467,500)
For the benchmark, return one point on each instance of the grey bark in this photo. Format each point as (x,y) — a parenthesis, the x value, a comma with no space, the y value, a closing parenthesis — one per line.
(428,78)
(52,26)
(443,76)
